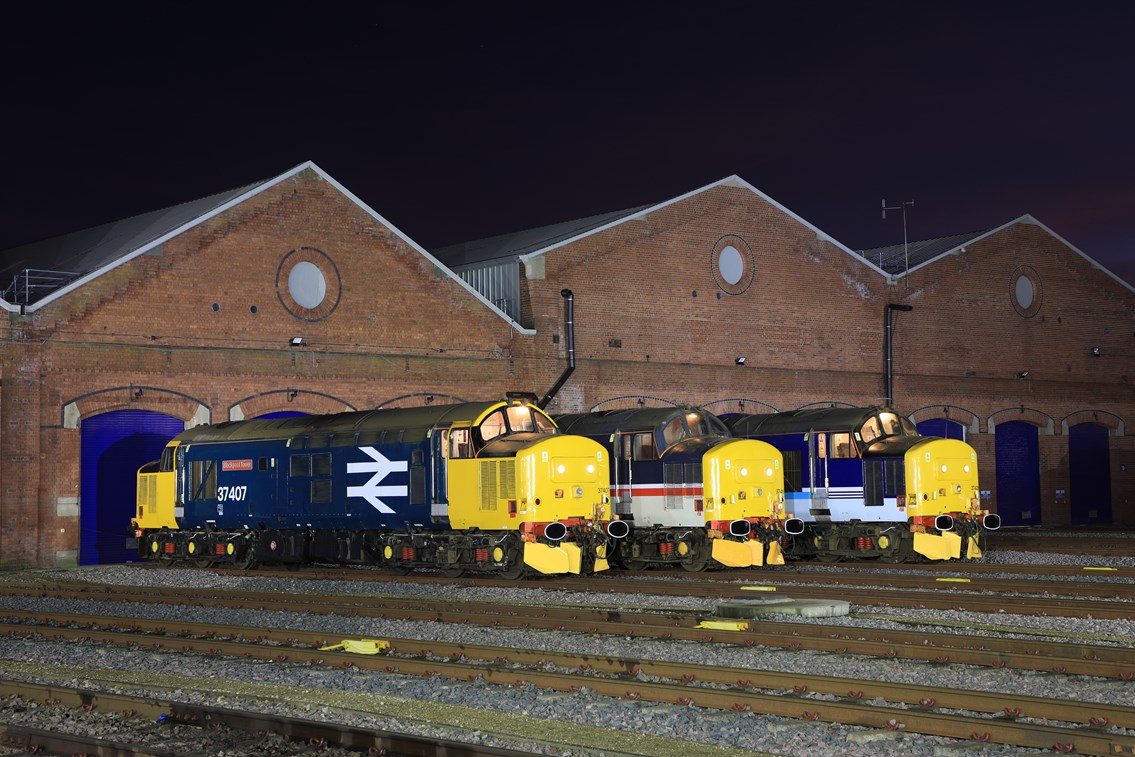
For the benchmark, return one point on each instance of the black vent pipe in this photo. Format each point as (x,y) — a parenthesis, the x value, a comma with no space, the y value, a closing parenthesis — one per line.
(570,297)
(890,327)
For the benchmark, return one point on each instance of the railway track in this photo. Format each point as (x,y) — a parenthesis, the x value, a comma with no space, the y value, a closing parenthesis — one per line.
(1025,654)
(1038,721)
(1065,599)
(133,718)
(1001,718)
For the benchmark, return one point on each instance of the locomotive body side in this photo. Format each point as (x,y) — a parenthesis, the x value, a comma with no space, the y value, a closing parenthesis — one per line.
(693,495)
(415,487)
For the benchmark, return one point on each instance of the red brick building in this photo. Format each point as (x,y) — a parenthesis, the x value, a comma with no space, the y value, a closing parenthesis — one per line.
(292,295)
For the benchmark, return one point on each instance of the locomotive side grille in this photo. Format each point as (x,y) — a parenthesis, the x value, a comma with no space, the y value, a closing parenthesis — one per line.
(793,471)
(882,478)
(488,485)
(148,493)
(498,481)
(677,475)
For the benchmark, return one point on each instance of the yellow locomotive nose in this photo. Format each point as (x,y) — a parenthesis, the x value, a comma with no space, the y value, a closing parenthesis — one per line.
(943,497)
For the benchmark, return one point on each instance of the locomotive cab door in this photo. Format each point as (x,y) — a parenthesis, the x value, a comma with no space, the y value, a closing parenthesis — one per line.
(818,469)
(439,455)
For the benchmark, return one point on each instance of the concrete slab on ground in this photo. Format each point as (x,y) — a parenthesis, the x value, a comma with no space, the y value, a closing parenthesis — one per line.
(807,608)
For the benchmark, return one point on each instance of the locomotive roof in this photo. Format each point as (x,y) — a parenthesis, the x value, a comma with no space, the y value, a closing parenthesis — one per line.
(627,419)
(415,421)
(801,421)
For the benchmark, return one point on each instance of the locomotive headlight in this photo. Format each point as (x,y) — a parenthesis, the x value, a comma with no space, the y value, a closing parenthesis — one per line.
(560,469)
(959,489)
(943,468)
(744,471)
(966,467)
(768,472)
(590,468)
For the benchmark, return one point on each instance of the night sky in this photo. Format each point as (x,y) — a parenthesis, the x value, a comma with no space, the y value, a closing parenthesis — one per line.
(457,122)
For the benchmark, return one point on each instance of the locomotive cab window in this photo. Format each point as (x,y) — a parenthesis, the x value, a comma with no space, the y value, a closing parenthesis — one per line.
(167,459)
(520,419)
(673,431)
(841,446)
(203,479)
(702,425)
(493,426)
(870,430)
(642,446)
(891,424)
(460,445)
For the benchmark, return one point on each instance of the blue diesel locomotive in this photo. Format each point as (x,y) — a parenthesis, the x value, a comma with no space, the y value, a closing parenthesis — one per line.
(866,484)
(694,495)
(482,487)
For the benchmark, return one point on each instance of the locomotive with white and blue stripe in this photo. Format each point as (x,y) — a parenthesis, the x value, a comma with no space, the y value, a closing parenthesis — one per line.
(478,487)
(866,484)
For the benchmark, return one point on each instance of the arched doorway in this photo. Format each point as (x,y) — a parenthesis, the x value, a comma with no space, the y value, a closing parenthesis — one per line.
(280,414)
(113,446)
(942,427)
(1089,468)
(1018,473)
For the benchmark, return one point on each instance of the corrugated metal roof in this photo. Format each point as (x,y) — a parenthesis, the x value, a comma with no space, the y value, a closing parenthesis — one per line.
(524,242)
(82,252)
(895,261)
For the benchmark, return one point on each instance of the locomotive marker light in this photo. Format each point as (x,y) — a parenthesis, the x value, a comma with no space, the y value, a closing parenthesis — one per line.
(381,468)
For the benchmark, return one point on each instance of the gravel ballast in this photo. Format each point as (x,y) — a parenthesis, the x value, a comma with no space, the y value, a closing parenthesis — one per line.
(711,728)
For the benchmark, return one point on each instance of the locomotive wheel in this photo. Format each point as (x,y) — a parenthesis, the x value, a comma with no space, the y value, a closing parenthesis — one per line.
(247,561)
(697,560)
(453,571)
(514,571)
(400,570)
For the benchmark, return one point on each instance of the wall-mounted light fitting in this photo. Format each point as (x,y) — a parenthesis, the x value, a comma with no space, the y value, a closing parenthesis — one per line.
(296,341)
(292,394)
(1095,351)
(1023,374)
(740,361)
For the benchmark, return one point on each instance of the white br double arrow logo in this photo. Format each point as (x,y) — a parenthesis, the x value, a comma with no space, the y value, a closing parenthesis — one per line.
(381,468)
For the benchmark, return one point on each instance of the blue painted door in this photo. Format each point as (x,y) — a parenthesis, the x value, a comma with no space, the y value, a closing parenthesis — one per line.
(280,414)
(1089,473)
(1018,474)
(113,446)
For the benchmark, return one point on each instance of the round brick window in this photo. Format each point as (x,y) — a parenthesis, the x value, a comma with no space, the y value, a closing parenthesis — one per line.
(308,284)
(732,264)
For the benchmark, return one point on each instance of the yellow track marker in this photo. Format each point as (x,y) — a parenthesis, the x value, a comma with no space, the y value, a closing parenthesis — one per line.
(758,588)
(359,646)
(1090,567)
(724,625)
(954,580)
